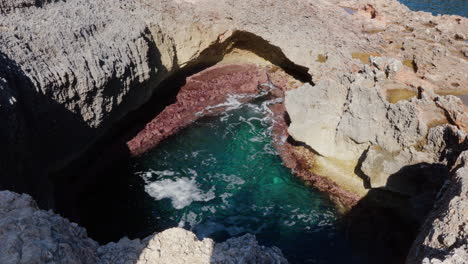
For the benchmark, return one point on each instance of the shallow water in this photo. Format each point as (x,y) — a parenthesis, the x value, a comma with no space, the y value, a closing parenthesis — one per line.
(448,7)
(220,178)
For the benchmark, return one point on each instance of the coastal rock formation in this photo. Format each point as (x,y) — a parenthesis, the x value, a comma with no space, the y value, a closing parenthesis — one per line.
(30,235)
(357,131)
(443,237)
(91,74)
(357,136)
(427,44)
(199,96)
(69,70)
(11,5)
(375,110)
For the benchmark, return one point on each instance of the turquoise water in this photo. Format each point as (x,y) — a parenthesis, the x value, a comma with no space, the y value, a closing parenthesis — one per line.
(221,177)
(448,7)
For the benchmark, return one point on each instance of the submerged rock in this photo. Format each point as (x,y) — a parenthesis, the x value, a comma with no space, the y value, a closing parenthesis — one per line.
(30,235)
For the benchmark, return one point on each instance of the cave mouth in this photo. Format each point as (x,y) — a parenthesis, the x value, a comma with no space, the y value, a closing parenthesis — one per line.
(246,190)
(220,177)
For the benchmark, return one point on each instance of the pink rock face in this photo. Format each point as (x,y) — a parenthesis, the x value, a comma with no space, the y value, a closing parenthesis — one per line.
(296,161)
(212,87)
(207,88)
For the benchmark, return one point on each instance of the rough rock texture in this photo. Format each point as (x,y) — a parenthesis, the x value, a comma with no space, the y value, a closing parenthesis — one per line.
(359,135)
(30,235)
(443,237)
(426,44)
(196,98)
(12,5)
(70,71)
(361,140)
(108,57)
(299,159)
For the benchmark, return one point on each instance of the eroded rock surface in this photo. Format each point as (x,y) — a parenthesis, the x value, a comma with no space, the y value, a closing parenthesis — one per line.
(362,136)
(70,71)
(197,97)
(373,146)
(443,237)
(107,58)
(30,235)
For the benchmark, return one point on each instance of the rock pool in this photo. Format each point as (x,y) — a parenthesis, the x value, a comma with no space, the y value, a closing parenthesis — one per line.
(221,177)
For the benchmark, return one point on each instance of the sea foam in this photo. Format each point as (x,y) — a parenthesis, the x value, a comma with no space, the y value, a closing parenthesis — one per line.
(182,191)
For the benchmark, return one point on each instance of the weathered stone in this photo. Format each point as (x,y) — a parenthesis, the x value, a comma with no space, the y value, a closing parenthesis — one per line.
(70,71)
(443,237)
(201,91)
(30,235)
(353,123)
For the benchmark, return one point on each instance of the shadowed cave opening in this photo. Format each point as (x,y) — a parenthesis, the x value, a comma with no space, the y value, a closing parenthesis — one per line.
(191,180)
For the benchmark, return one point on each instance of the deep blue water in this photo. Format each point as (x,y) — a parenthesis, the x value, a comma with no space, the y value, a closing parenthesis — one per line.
(448,7)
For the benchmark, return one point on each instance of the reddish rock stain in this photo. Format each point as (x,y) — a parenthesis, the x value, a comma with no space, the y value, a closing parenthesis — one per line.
(213,86)
(208,88)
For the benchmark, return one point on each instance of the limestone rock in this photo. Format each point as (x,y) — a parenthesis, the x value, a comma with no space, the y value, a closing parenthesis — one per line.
(443,237)
(11,5)
(30,235)
(69,70)
(353,122)
(315,112)
(73,69)
(88,64)
(427,44)
(177,245)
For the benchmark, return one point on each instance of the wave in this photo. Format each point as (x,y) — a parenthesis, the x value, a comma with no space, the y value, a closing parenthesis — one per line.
(181,191)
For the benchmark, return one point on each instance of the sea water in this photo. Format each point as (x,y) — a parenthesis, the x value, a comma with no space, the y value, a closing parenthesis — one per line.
(221,177)
(448,7)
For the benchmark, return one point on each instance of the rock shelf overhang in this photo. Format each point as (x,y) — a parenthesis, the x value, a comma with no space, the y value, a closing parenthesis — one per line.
(373,104)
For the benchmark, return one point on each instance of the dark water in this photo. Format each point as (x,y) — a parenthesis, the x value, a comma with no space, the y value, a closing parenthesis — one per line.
(447,7)
(221,178)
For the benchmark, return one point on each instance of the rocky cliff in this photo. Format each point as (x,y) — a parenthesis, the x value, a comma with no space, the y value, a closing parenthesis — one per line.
(30,235)
(375,108)
(443,237)
(91,73)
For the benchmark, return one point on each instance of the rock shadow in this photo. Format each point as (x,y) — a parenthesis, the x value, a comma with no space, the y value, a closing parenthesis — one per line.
(36,134)
(102,167)
(383,224)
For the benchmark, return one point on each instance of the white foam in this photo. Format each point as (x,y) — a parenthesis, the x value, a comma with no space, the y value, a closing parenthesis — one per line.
(147,175)
(232,180)
(164,173)
(225,196)
(182,191)
(256,139)
(190,219)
